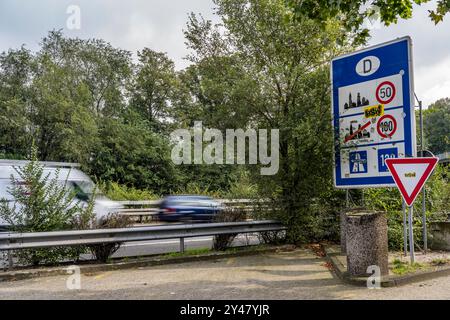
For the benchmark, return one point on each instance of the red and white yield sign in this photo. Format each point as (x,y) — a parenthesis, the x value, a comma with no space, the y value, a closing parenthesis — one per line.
(410,175)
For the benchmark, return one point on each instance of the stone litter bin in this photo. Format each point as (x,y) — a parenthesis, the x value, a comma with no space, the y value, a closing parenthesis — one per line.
(366,241)
(343,225)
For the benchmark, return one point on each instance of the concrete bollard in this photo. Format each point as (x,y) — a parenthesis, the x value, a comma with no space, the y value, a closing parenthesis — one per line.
(440,236)
(366,242)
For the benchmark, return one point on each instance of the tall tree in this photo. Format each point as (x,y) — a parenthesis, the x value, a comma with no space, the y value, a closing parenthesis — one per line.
(104,69)
(437,126)
(63,126)
(285,64)
(16,68)
(71,98)
(133,155)
(153,86)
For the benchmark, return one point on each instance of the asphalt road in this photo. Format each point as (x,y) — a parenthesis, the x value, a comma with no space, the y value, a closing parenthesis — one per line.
(299,274)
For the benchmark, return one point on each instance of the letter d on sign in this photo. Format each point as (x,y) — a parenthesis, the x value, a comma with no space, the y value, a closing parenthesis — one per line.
(367,66)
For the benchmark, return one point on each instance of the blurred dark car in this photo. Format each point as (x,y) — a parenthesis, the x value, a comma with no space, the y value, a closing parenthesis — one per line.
(189,208)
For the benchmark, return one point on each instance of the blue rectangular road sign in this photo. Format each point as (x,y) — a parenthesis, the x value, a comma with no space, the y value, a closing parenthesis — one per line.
(373,113)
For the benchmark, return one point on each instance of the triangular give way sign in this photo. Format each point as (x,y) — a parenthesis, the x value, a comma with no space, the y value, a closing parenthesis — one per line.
(410,175)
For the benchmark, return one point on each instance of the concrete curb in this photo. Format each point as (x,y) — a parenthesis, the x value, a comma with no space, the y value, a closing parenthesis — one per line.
(137,262)
(389,281)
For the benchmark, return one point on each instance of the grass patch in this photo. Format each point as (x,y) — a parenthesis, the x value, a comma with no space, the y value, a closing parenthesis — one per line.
(189,252)
(201,251)
(400,268)
(439,262)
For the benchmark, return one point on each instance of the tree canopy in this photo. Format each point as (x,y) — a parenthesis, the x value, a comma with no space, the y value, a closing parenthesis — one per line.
(436,125)
(353,13)
(264,70)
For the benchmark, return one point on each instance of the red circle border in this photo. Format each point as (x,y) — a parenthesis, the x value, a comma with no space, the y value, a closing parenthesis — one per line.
(393,131)
(393,93)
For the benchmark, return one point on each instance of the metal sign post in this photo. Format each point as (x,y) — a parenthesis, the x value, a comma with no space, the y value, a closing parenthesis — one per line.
(424,213)
(424,223)
(410,175)
(405,228)
(411,234)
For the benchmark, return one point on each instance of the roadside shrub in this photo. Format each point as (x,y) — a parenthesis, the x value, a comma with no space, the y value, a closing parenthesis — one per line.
(103,251)
(317,220)
(48,256)
(272,237)
(243,187)
(267,209)
(195,188)
(223,241)
(118,192)
(88,221)
(41,204)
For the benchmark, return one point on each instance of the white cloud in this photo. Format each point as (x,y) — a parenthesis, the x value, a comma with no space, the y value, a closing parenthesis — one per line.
(130,25)
(433,81)
(431,51)
(158,24)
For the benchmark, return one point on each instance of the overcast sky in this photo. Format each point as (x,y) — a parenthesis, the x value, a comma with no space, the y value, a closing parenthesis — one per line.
(158,24)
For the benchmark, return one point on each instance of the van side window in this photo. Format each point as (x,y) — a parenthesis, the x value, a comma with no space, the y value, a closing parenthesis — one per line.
(5,186)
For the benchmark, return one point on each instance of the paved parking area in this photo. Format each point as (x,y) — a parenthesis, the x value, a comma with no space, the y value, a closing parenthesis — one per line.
(298,274)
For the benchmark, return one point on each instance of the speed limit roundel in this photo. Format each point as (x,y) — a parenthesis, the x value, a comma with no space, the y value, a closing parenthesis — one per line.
(385,92)
(386,126)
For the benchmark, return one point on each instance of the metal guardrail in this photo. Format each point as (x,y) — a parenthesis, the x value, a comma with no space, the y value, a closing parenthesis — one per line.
(136,208)
(140,203)
(140,209)
(444,157)
(223,201)
(140,213)
(15,241)
(243,201)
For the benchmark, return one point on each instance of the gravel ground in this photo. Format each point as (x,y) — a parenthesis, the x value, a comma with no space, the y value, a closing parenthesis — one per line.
(420,257)
(429,260)
(298,274)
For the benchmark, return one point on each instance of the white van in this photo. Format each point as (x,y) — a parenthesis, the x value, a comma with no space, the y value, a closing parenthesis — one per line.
(76,179)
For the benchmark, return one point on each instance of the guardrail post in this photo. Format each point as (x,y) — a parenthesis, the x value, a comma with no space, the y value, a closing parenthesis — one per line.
(182,245)
(10,260)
